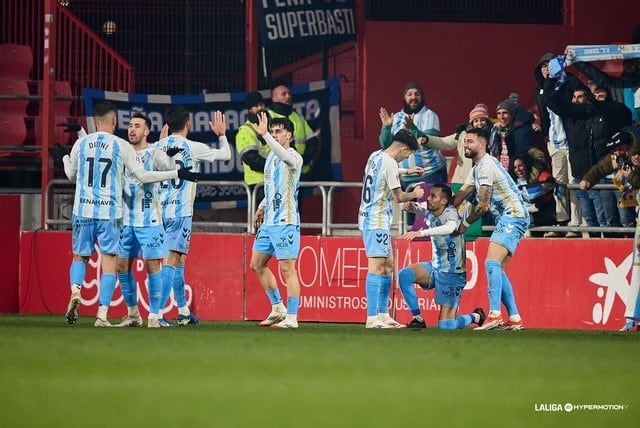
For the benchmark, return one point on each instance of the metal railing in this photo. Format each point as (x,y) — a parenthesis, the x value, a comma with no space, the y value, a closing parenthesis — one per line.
(59,190)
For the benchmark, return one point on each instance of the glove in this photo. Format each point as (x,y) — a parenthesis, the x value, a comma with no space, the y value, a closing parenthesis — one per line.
(172,151)
(58,152)
(186,174)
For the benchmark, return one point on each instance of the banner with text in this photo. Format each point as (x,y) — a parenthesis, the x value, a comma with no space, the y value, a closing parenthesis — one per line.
(318,102)
(302,21)
(551,292)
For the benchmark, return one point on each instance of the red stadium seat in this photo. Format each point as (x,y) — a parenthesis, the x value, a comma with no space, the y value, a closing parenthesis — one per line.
(18,88)
(16,61)
(14,130)
(59,136)
(60,89)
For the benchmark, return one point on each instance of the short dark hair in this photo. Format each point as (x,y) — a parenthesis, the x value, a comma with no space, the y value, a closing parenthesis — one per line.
(481,133)
(445,189)
(407,138)
(138,115)
(285,122)
(103,108)
(176,117)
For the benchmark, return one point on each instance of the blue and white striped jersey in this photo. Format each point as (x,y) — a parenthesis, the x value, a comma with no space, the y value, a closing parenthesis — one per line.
(97,163)
(505,195)
(141,201)
(281,185)
(431,160)
(177,196)
(557,135)
(448,251)
(376,205)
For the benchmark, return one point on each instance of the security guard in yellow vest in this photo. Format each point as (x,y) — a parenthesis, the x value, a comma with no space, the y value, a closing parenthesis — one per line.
(252,149)
(306,141)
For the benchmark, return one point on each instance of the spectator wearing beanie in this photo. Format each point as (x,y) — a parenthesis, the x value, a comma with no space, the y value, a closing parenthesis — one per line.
(479,116)
(418,118)
(512,135)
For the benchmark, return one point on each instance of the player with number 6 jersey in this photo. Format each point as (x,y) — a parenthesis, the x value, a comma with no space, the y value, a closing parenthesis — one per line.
(380,189)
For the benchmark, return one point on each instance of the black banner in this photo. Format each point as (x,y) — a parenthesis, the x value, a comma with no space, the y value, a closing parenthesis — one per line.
(299,21)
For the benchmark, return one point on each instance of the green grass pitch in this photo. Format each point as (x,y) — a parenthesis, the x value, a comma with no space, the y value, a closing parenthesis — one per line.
(321,375)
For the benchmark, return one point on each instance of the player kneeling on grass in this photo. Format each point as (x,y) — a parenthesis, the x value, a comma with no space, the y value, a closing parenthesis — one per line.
(447,272)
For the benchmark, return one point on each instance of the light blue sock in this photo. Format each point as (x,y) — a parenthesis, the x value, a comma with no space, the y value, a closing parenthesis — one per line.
(372,287)
(159,298)
(447,324)
(178,287)
(274,296)
(134,289)
(461,321)
(107,286)
(407,279)
(293,303)
(77,272)
(384,294)
(156,284)
(125,285)
(508,298)
(494,278)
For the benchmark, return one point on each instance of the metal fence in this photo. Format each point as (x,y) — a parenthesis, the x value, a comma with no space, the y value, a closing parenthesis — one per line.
(59,200)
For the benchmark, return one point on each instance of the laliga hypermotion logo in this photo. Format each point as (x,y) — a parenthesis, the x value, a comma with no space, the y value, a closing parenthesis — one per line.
(137,267)
(610,284)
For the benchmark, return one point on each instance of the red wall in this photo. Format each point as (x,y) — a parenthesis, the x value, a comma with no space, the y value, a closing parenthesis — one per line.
(460,65)
(551,292)
(10,233)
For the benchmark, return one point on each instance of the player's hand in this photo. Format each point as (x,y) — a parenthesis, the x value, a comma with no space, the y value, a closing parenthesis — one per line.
(418,192)
(461,229)
(385,117)
(410,236)
(164,132)
(408,121)
(585,185)
(410,206)
(416,170)
(263,123)
(219,125)
(172,151)
(186,174)
(258,218)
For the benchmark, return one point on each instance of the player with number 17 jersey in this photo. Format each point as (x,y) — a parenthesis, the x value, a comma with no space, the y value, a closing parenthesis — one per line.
(97,164)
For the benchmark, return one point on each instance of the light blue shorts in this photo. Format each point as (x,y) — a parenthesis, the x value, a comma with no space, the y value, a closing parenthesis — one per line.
(448,286)
(377,242)
(143,242)
(85,232)
(178,234)
(509,232)
(281,241)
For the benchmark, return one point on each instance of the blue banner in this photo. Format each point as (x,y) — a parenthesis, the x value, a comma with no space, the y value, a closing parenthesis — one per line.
(318,102)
